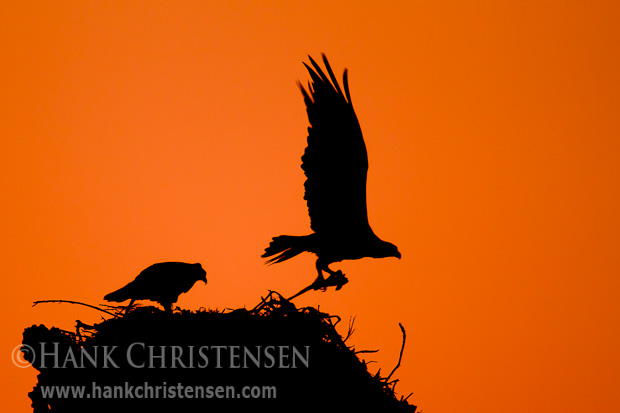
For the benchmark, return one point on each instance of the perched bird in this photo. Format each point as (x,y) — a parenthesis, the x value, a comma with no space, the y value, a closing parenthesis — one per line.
(335,163)
(162,282)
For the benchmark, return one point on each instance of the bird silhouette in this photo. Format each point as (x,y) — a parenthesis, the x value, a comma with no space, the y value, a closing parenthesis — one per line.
(162,282)
(335,163)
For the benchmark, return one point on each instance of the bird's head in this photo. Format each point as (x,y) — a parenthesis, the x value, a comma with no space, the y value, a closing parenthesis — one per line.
(201,273)
(386,249)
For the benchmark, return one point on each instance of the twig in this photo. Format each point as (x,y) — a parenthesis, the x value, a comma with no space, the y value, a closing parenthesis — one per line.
(366,351)
(401,352)
(329,317)
(263,301)
(393,383)
(74,302)
(351,329)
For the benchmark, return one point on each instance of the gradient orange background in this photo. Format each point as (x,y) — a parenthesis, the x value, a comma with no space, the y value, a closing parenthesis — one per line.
(140,132)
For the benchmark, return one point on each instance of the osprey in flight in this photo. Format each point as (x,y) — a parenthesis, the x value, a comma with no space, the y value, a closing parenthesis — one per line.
(335,163)
(162,282)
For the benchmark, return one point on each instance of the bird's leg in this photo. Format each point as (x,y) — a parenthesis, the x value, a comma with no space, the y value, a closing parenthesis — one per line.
(319,283)
(336,278)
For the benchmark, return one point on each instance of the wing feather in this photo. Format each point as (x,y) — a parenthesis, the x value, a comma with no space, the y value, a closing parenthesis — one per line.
(335,161)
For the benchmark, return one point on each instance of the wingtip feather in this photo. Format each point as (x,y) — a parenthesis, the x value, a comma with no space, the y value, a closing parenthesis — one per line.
(345,83)
(319,71)
(331,74)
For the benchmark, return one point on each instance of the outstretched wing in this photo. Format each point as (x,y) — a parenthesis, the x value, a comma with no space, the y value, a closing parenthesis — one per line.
(335,161)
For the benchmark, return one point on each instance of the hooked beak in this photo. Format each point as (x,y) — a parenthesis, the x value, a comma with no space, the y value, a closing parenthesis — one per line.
(398,255)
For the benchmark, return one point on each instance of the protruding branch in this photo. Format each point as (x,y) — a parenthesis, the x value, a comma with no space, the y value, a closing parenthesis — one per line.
(74,302)
(365,351)
(401,352)
(351,329)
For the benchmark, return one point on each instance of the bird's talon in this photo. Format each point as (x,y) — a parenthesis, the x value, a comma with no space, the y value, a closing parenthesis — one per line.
(342,282)
(339,286)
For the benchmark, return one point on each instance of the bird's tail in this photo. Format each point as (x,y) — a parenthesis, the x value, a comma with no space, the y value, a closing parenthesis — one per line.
(118,296)
(286,247)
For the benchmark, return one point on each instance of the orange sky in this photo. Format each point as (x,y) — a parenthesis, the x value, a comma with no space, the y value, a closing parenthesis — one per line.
(140,132)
